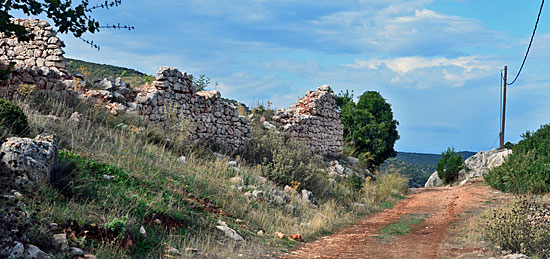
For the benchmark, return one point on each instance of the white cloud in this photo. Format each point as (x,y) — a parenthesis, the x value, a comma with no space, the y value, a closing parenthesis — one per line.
(457,71)
(401,29)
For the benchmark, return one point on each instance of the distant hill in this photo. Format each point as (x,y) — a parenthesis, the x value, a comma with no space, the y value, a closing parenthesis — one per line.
(427,159)
(416,166)
(94,71)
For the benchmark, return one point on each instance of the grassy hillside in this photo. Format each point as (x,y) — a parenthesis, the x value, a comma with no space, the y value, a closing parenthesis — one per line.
(94,71)
(114,182)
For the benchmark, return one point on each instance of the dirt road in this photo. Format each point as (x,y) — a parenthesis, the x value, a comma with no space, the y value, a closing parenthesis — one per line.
(440,208)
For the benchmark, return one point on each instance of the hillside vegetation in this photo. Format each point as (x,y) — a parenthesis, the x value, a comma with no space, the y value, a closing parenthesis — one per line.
(120,191)
(526,170)
(94,71)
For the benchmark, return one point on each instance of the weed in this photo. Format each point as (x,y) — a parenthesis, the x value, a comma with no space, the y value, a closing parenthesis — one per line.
(521,227)
(400,228)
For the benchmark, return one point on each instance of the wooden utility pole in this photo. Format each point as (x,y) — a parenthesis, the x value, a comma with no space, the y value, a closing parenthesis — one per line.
(503,107)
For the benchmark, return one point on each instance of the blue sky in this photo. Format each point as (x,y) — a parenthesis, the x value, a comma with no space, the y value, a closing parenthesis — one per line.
(436,62)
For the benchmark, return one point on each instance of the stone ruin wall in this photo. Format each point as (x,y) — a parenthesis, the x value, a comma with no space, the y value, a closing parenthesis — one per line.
(38,62)
(172,99)
(315,121)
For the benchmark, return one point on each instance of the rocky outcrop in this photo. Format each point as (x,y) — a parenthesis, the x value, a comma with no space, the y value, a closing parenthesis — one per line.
(475,166)
(38,62)
(315,121)
(29,162)
(172,102)
(24,164)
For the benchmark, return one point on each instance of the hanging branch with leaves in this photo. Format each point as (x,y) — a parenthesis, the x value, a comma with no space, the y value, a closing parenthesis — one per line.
(66,16)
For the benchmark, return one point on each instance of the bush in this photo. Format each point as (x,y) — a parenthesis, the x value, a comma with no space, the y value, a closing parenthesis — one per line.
(521,228)
(526,170)
(284,161)
(355,182)
(450,164)
(12,119)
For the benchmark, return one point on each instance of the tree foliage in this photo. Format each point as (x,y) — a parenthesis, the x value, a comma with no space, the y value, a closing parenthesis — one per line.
(66,16)
(369,126)
(450,164)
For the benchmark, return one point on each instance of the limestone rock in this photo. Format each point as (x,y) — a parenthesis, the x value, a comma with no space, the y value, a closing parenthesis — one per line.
(30,161)
(307,196)
(268,126)
(35,253)
(433,181)
(229,232)
(17,250)
(60,243)
(182,160)
(479,164)
(237,180)
(516,256)
(76,252)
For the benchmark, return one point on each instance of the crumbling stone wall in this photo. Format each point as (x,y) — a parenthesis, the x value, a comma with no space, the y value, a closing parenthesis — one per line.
(315,121)
(38,62)
(172,99)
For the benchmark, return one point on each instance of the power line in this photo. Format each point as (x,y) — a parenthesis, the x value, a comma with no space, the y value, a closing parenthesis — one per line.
(530,43)
(498,136)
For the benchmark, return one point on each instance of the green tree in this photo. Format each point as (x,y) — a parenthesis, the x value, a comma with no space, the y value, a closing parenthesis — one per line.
(66,16)
(201,82)
(450,164)
(369,126)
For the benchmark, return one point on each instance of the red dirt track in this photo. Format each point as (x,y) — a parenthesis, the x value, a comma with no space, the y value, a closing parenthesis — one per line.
(442,205)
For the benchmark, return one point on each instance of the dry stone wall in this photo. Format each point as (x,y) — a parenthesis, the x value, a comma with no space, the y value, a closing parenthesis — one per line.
(38,62)
(315,121)
(172,102)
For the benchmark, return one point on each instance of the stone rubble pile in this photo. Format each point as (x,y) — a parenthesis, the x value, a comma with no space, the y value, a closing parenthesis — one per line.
(38,62)
(315,121)
(172,102)
(117,95)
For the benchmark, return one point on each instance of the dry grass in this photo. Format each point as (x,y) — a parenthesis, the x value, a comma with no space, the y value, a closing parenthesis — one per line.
(386,188)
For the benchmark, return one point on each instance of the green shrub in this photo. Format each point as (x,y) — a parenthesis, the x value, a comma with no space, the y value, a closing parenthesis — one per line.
(526,170)
(450,164)
(356,182)
(12,119)
(284,161)
(521,227)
